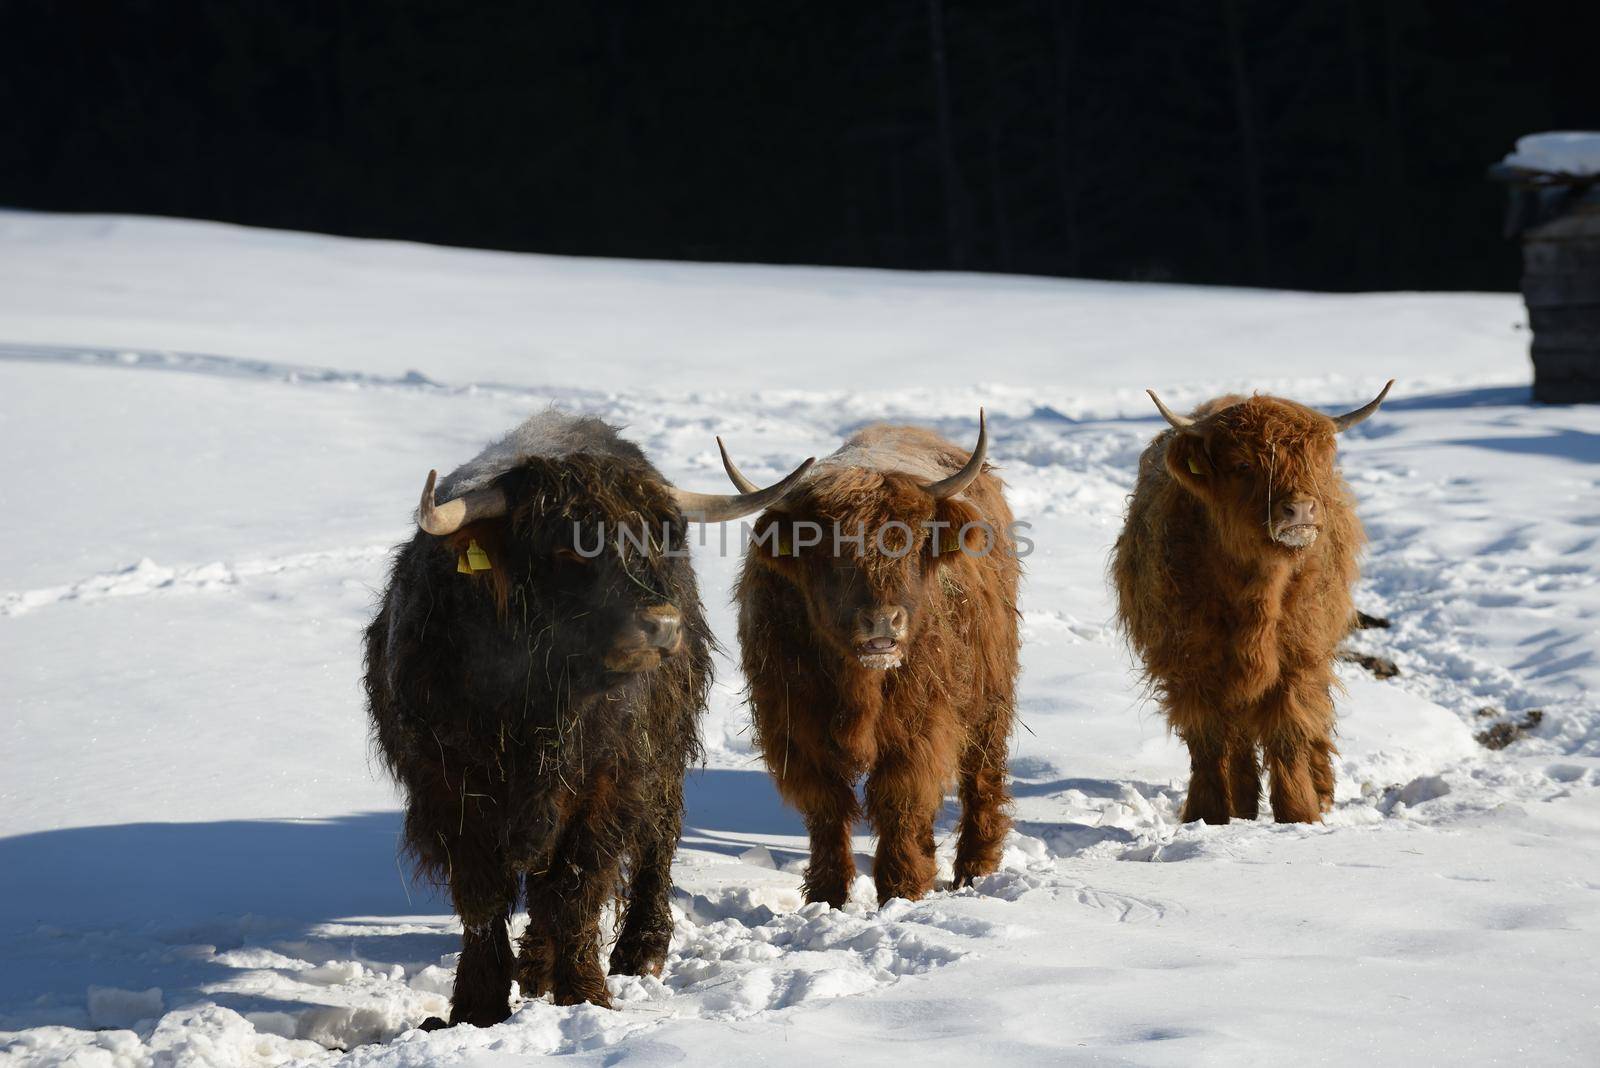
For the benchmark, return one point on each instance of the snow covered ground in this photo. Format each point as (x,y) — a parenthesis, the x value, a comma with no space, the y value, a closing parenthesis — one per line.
(214,435)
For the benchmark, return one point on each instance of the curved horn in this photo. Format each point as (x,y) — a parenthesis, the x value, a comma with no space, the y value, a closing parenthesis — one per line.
(734,474)
(451,516)
(1179,422)
(721,507)
(949,487)
(1344,422)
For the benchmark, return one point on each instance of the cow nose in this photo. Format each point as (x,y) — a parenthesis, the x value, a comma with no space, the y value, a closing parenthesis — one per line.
(661,625)
(888,621)
(1299,512)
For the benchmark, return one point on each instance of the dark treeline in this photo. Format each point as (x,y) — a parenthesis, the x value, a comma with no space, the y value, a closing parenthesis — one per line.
(1337,144)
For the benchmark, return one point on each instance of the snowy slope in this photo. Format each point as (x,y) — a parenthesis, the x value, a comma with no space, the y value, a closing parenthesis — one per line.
(215,434)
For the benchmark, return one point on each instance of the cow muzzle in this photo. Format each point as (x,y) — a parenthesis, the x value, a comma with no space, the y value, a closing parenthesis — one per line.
(880,637)
(1296,522)
(656,633)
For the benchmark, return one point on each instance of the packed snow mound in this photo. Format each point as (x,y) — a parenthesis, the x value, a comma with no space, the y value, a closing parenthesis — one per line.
(1571,152)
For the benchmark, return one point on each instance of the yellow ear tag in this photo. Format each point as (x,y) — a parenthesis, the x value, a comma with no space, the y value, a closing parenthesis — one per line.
(1194,468)
(462,567)
(948,547)
(477,559)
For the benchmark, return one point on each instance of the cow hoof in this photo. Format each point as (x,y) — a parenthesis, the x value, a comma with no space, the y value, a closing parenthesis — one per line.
(832,895)
(575,986)
(533,978)
(1210,819)
(479,1018)
(909,891)
(432,1023)
(636,960)
(588,995)
(967,874)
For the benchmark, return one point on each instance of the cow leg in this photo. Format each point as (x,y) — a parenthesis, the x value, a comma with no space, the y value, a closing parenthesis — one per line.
(902,800)
(641,947)
(1244,777)
(827,801)
(985,803)
(1293,792)
(535,950)
(833,864)
(581,877)
(484,893)
(1297,721)
(1209,798)
(1321,760)
(572,898)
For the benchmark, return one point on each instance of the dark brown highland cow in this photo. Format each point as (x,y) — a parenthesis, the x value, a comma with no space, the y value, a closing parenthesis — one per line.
(534,688)
(1233,577)
(894,658)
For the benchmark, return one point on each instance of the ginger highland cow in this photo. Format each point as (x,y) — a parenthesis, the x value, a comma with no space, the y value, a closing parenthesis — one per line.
(878,631)
(1233,576)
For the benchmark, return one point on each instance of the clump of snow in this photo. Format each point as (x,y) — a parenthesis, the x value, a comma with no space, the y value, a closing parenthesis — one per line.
(1558,152)
(1423,788)
(751,958)
(110,1007)
(346,1027)
(49,1047)
(221,1038)
(434,980)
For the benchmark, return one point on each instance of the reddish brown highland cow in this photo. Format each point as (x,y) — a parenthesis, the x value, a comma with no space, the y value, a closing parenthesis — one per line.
(1233,577)
(893,656)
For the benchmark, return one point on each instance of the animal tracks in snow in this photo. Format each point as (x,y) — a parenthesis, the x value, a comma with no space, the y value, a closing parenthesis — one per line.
(147,577)
(212,365)
(361,986)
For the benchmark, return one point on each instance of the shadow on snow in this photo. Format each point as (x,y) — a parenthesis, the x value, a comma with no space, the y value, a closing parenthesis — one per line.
(119,905)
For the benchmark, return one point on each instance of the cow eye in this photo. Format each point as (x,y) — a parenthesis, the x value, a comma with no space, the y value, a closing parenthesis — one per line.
(1242,467)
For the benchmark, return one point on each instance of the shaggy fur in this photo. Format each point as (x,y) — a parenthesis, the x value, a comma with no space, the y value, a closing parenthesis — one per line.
(943,717)
(1237,630)
(551,433)
(530,768)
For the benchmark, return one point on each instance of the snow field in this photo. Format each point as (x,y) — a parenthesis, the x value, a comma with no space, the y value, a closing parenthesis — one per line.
(197,855)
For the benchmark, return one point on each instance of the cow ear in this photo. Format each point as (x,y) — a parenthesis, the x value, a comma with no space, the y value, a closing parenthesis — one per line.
(479,549)
(1189,461)
(483,539)
(771,542)
(962,530)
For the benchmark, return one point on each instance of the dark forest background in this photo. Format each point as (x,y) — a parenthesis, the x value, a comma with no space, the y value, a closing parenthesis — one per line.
(1326,145)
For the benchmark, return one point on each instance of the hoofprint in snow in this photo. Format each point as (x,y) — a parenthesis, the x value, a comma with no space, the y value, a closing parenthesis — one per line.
(198,863)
